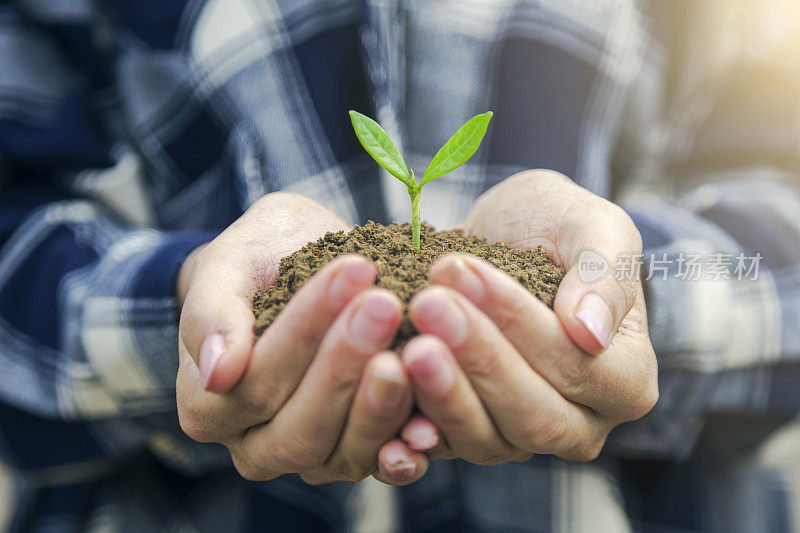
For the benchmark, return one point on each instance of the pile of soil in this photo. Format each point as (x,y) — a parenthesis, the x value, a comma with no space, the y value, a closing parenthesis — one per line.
(402,268)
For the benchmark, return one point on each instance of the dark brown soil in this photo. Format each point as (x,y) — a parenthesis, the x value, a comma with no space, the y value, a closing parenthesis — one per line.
(401,268)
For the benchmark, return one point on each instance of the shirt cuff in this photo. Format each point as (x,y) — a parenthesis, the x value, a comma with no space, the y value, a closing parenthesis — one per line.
(129,326)
(158,274)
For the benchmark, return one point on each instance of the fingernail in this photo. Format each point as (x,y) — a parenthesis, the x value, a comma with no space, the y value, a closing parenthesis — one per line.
(436,312)
(370,326)
(210,355)
(385,389)
(596,316)
(349,279)
(399,465)
(420,436)
(425,362)
(459,275)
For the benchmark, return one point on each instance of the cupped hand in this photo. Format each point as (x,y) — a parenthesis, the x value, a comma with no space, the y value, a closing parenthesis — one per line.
(502,376)
(318,393)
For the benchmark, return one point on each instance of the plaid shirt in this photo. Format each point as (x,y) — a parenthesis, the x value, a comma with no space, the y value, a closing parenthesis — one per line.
(132,131)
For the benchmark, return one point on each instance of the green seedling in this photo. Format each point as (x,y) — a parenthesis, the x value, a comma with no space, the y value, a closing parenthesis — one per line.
(455,152)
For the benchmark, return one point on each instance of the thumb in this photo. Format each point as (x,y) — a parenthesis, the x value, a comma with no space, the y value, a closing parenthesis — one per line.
(597,292)
(216,324)
(217,318)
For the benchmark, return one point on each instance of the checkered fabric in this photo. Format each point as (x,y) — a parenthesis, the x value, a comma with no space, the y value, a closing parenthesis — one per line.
(133,131)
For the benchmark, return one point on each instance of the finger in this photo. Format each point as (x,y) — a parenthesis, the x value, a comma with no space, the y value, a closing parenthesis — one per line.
(305,431)
(528,411)
(400,465)
(280,357)
(597,293)
(283,353)
(621,384)
(216,322)
(581,223)
(444,394)
(381,405)
(420,434)
(215,327)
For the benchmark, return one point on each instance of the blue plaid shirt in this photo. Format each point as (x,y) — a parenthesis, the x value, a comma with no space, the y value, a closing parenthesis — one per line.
(133,131)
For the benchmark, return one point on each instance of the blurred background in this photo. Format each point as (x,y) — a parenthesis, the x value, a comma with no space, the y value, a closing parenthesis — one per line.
(162,116)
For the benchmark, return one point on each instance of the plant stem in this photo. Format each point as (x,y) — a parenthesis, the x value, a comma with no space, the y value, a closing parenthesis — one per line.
(415,216)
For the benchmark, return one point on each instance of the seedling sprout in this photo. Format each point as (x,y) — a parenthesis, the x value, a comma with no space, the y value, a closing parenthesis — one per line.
(455,152)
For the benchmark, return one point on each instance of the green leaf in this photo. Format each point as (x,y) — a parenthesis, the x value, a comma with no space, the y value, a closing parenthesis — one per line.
(379,145)
(458,149)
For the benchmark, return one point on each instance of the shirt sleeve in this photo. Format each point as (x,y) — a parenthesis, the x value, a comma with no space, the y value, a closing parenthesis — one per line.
(712,164)
(88,317)
(721,271)
(89,324)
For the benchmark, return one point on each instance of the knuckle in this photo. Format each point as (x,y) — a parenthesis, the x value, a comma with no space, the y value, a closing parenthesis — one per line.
(261,399)
(645,394)
(509,313)
(304,333)
(251,471)
(346,369)
(635,325)
(587,453)
(494,454)
(545,434)
(294,455)
(451,414)
(373,427)
(248,473)
(195,431)
(629,290)
(452,411)
(195,426)
(342,470)
(647,400)
(314,478)
(574,372)
(347,374)
(481,362)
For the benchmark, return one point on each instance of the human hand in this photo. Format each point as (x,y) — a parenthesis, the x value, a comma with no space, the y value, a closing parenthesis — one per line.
(318,394)
(501,375)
